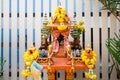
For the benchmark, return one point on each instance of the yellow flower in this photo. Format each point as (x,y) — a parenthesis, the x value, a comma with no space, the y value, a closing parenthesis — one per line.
(62,27)
(48,22)
(25,73)
(94,58)
(86,74)
(81,22)
(82,28)
(50,48)
(88,58)
(28,63)
(90,66)
(63,11)
(57,9)
(84,58)
(68,48)
(87,61)
(90,76)
(66,19)
(94,77)
(30,55)
(60,13)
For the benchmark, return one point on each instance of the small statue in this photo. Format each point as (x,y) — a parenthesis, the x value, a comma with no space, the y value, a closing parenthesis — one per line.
(77,53)
(43,47)
(43,53)
(76,44)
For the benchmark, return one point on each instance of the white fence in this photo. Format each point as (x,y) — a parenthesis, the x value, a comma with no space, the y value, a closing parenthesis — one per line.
(21,21)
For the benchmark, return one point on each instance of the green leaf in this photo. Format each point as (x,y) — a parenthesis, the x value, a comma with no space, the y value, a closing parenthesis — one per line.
(113,47)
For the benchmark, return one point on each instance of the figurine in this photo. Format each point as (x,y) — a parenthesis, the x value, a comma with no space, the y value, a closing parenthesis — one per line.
(43,53)
(55,45)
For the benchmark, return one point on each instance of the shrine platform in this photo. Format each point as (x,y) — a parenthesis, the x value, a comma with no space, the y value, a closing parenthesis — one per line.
(62,64)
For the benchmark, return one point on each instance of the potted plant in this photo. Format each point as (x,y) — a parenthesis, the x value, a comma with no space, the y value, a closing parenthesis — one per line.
(76,32)
(113,45)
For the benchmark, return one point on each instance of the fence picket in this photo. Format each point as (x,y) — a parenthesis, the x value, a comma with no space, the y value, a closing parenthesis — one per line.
(96,37)
(22,36)
(113,26)
(38,22)
(14,41)
(87,22)
(104,49)
(6,38)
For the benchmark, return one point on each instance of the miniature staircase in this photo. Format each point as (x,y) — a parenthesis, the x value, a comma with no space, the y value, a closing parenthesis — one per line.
(61,53)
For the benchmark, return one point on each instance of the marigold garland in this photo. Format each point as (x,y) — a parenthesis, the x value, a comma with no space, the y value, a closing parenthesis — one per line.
(62,27)
(90,75)
(31,54)
(89,58)
(61,15)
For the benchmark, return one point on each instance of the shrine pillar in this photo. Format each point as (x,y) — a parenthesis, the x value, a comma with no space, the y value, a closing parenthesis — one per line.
(51,74)
(69,74)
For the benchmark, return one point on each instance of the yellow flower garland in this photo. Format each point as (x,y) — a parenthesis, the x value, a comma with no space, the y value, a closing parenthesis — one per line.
(31,54)
(90,76)
(60,13)
(26,73)
(62,27)
(80,25)
(89,57)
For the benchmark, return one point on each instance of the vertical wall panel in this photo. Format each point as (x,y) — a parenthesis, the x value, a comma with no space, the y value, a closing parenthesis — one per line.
(87,22)
(100,39)
(22,36)
(96,37)
(70,13)
(38,22)
(29,24)
(118,27)
(78,10)
(79,6)
(14,40)
(33,22)
(46,7)
(104,49)
(113,22)
(60,75)
(70,9)
(79,75)
(0,24)
(54,4)
(6,38)
(45,76)
(62,3)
